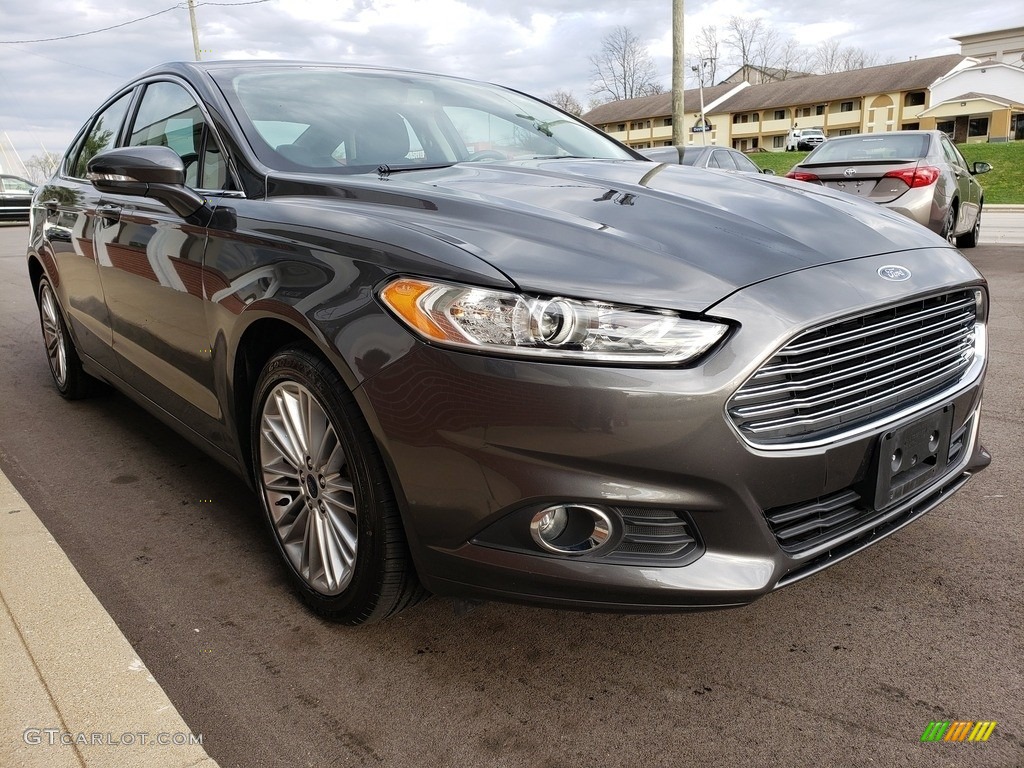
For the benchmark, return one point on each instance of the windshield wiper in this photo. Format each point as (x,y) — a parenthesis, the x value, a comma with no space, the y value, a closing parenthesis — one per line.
(384,170)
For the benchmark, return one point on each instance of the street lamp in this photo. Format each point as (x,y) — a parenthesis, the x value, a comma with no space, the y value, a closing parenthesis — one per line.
(699,71)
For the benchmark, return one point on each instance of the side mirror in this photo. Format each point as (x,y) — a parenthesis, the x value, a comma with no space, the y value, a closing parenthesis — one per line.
(980,167)
(155,172)
(767,171)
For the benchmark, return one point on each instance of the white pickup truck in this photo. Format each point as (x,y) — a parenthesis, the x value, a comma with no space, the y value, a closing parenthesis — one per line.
(804,138)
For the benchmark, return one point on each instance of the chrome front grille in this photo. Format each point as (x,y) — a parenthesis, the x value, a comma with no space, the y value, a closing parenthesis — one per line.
(830,379)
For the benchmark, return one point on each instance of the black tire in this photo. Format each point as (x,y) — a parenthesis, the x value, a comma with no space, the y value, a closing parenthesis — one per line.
(70,378)
(341,495)
(970,239)
(949,225)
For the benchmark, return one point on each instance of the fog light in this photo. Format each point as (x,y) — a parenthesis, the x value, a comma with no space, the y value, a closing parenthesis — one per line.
(571,529)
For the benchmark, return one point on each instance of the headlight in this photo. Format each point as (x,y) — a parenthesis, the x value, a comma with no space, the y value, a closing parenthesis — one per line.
(508,323)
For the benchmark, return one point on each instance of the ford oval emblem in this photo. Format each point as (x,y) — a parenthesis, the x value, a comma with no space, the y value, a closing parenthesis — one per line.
(850,172)
(894,272)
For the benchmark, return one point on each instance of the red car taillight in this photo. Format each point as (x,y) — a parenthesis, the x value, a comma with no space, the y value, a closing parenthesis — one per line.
(802,176)
(916,177)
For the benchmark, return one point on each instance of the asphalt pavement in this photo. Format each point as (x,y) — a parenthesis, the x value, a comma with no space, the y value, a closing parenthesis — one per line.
(167,571)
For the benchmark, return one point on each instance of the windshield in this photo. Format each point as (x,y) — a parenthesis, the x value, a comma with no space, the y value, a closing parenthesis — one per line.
(354,121)
(872,147)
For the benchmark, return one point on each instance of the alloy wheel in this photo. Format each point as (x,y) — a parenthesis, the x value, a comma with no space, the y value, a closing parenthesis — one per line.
(308,488)
(53,336)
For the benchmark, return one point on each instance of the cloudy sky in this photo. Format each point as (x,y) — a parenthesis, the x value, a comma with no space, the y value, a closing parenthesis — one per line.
(48,88)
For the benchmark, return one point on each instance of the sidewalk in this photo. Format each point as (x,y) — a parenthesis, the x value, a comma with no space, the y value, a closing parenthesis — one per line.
(1002,225)
(72,690)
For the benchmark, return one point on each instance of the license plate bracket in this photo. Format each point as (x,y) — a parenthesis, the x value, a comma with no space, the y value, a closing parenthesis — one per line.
(912,456)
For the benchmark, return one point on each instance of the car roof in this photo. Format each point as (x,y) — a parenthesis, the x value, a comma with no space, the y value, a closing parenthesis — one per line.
(883,134)
(183,67)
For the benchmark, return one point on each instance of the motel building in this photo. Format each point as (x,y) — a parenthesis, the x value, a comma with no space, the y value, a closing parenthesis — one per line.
(975,96)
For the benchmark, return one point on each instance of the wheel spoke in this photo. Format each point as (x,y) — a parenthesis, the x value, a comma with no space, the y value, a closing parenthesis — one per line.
(316,428)
(340,493)
(339,552)
(343,526)
(291,416)
(288,515)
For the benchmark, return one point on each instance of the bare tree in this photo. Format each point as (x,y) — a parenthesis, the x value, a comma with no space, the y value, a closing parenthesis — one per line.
(766,47)
(793,58)
(831,56)
(41,167)
(827,57)
(761,50)
(623,69)
(566,100)
(707,56)
(858,58)
(742,36)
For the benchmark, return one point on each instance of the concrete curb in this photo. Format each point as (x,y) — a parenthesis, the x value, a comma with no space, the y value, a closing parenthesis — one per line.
(74,691)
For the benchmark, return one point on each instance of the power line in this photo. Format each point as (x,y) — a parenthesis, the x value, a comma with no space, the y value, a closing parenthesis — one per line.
(176,7)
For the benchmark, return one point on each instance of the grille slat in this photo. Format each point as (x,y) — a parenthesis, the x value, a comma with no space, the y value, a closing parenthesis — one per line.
(770,371)
(953,358)
(871,405)
(900,361)
(797,347)
(834,377)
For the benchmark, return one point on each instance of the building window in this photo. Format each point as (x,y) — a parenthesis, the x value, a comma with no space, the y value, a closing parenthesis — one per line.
(978,126)
(946,126)
(846,131)
(666,143)
(910,127)
(756,117)
(914,99)
(1017,126)
(621,127)
(778,142)
(846,106)
(780,114)
(820,109)
(668,122)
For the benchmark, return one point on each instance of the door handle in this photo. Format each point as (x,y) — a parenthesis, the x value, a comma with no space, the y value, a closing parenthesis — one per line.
(109,214)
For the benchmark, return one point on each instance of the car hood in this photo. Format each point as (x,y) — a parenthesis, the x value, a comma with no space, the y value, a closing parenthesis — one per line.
(624,231)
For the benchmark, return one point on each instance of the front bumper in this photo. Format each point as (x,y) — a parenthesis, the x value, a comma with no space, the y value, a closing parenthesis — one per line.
(474,443)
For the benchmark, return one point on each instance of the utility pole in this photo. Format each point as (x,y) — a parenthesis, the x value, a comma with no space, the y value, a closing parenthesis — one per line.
(678,78)
(195,30)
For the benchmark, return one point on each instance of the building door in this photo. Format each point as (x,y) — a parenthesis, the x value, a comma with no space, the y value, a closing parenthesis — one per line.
(960,129)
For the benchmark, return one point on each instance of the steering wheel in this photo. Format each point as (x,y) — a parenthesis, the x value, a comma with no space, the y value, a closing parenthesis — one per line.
(488,154)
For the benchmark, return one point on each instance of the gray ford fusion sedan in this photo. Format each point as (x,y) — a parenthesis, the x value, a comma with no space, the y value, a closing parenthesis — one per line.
(460,342)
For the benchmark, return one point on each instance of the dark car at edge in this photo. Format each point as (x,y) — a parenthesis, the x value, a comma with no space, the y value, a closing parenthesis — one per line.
(459,342)
(15,198)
